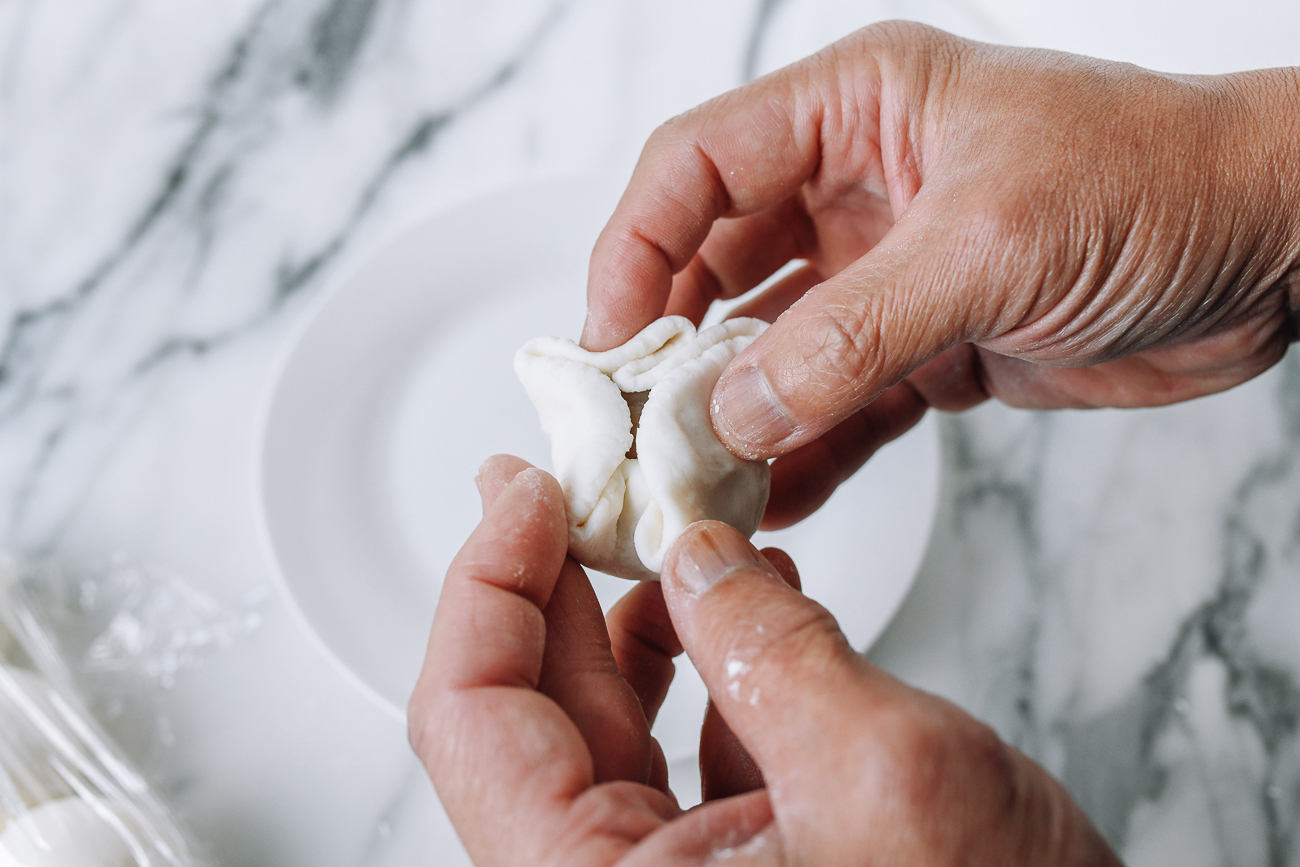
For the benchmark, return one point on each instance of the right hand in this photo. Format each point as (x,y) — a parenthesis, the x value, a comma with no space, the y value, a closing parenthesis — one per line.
(977,221)
(859,768)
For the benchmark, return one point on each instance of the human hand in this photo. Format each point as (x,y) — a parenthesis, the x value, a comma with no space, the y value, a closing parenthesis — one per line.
(532,714)
(1049,230)
(532,717)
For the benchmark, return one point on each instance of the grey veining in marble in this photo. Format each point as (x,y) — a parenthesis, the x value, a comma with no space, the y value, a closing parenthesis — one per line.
(177,183)
(168,280)
(1115,592)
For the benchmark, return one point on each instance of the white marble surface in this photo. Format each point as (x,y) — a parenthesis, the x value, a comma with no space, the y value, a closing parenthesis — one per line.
(1116,592)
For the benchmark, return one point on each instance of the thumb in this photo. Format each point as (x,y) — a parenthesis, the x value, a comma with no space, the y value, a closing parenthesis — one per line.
(855,335)
(854,760)
(777,666)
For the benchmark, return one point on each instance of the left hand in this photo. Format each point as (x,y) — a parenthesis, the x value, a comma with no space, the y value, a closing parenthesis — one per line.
(533,713)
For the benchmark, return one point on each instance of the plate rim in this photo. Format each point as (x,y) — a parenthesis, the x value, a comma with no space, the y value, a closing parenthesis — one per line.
(277,370)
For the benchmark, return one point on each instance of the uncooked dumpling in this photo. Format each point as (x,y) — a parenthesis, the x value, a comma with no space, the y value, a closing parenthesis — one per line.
(632,444)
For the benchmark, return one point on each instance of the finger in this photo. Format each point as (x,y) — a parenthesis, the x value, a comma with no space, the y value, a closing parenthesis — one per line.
(476,694)
(659,769)
(805,478)
(1154,377)
(736,832)
(841,743)
(644,644)
(736,155)
(579,672)
(777,666)
(953,381)
(776,299)
(726,767)
(784,565)
(854,335)
(739,254)
(499,582)
(966,375)
(494,474)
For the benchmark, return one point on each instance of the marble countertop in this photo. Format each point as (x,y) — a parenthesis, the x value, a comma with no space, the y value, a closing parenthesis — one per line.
(1115,592)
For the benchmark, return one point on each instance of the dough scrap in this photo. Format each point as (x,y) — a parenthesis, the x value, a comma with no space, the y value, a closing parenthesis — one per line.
(631,489)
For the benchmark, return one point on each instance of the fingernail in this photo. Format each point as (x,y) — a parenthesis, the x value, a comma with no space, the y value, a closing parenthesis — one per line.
(591,331)
(710,552)
(748,407)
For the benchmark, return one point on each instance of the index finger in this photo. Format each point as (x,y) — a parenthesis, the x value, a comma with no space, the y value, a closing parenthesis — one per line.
(740,153)
(495,747)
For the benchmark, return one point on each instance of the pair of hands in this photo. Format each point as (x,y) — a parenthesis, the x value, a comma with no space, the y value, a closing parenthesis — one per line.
(975,221)
(533,718)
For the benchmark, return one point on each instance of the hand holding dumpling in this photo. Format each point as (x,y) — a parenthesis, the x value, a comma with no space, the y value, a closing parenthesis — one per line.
(632,444)
(533,716)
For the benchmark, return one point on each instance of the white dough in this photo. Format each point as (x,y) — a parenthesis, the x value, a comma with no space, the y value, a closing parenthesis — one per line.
(71,834)
(625,512)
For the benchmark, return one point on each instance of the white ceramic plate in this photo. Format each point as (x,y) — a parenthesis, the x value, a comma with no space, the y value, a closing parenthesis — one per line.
(401,383)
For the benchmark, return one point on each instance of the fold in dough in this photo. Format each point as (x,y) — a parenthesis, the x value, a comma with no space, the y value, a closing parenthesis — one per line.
(625,512)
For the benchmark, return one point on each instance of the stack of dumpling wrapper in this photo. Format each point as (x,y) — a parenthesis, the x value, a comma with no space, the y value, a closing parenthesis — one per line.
(67,797)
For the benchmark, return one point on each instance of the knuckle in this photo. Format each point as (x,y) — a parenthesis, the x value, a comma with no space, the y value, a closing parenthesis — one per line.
(428,702)
(988,758)
(902,43)
(610,811)
(996,221)
(997,241)
(417,730)
(897,33)
(667,135)
(595,810)
(429,718)
(838,347)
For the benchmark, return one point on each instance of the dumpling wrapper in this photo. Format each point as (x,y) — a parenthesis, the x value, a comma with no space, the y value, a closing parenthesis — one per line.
(625,512)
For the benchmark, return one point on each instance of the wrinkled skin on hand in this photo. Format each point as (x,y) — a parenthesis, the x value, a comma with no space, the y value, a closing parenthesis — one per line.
(533,716)
(975,221)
